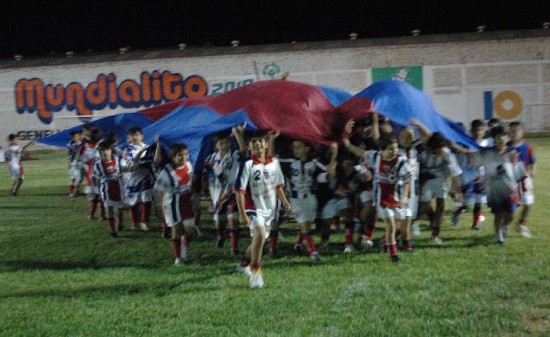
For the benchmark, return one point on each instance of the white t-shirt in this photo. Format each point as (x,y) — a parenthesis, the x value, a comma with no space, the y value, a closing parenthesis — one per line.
(259,182)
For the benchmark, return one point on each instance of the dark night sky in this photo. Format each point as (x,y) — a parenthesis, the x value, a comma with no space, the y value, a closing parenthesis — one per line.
(80,25)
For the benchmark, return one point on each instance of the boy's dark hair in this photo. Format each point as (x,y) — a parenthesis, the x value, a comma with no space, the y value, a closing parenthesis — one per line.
(260,133)
(476,123)
(104,146)
(111,138)
(222,135)
(437,141)
(515,124)
(12,136)
(134,130)
(87,126)
(498,130)
(177,148)
(95,135)
(494,121)
(74,132)
(386,140)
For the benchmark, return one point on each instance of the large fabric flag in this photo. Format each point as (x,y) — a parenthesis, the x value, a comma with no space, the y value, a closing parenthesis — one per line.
(400,101)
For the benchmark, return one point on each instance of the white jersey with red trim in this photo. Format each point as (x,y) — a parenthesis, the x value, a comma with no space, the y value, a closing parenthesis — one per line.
(110,177)
(389,177)
(259,181)
(174,182)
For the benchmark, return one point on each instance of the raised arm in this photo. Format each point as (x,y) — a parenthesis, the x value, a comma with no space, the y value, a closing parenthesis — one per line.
(357,151)
(238,133)
(271,143)
(425,133)
(157,158)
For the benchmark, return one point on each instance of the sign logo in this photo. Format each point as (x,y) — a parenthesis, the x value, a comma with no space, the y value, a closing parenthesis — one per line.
(506,104)
(152,88)
(271,70)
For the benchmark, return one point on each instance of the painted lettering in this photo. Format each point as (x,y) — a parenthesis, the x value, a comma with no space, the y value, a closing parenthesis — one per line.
(32,95)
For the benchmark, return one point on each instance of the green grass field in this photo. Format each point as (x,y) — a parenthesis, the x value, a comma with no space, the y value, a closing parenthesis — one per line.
(63,275)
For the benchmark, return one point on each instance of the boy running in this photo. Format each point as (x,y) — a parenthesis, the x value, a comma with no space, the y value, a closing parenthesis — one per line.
(15,167)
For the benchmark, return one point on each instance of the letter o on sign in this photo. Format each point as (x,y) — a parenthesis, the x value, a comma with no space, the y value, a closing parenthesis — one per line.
(505,112)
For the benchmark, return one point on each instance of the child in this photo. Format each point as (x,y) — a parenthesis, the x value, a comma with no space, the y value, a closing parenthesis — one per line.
(173,187)
(303,175)
(503,171)
(75,165)
(409,147)
(391,175)
(224,164)
(138,184)
(527,156)
(258,184)
(108,172)
(88,156)
(436,165)
(15,167)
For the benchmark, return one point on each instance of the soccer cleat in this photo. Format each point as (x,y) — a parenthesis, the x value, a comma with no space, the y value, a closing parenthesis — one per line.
(114,234)
(134,227)
(366,243)
(415,228)
(524,231)
(476,228)
(455,220)
(246,270)
(235,251)
(324,244)
(437,240)
(220,241)
(481,217)
(315,257)
(179,262)
(349,249)
(273,253)
(299,248)
(408,249)
(143,226)
(91,218)
(395,259)
(165,234)
(500,239)
(184,251)
(256,280)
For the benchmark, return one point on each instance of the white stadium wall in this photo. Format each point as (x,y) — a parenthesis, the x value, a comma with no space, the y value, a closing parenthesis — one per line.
(507,78)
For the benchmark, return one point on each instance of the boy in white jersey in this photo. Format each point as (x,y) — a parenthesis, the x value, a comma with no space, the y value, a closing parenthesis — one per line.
(437,163)
(409,148)
(391,175)
(224,164)
(15,168)
(108,172)
(75,165)
(138,184)
(173,187)
(303,175)
(504,172)
(258,184)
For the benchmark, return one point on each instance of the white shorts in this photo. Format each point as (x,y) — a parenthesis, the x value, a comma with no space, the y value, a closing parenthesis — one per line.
(527,198)
(334,207)
(133,198)
(434,188)
(387,212)
(304,210)
(259,220)
(15,171)
(177,211)
(474,198)
(412,209)
(365,196)
(75,172)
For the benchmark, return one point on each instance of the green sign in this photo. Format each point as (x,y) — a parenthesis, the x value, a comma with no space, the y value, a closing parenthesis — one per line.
(411,75)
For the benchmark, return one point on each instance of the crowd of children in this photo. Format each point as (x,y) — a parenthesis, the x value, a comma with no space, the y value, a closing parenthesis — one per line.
(258,179)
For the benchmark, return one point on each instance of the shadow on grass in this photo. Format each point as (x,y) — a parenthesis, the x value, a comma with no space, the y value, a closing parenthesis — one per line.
(158,289)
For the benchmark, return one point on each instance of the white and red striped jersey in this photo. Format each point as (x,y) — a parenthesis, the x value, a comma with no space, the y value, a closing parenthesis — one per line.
(110,177)
(259,182)
(13,155)
(388,178)
(174,182)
